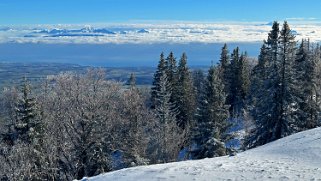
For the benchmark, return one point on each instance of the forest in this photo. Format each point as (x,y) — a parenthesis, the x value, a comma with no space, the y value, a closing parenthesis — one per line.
(76,125)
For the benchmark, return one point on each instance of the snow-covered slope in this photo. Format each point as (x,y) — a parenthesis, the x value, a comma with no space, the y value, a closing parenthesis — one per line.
(297,157)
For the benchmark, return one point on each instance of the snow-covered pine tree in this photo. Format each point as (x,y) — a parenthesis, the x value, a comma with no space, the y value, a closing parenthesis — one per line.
(198,82)
(28,126)
(243,79)
(317,80)
(264,108)
(168,137)
(232,98)
(317,61)
(276,110)
(172,77)
(258,77)
(158,74)
(30,134)
(186,94)
(225,65)
(306,85)
(257,89)
(171,69)
(287,99)
(239,83)
(210,131)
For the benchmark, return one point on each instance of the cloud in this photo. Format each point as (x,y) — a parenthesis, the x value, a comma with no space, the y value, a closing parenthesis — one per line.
(301,19)
(151,33)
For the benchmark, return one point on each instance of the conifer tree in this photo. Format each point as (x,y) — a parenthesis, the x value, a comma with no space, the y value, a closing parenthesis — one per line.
(239,83)
(244,78)
(225,65)
(171,69)
(276,111)
(161,69)
(30,131)
(132,80)
(233,87)
(28,126)
(198,82)
(210,131)
(172,76)
(306,85)
(287,123)
(272,42)
(186,94)
(165,112)
(258,80)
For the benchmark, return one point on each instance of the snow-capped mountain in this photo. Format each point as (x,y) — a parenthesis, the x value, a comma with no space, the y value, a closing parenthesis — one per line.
(296,157)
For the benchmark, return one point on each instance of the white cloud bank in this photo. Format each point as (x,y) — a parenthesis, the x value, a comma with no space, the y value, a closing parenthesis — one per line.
(153,33)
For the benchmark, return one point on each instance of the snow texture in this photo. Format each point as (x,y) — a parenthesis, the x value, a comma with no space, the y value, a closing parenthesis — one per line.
(296,157)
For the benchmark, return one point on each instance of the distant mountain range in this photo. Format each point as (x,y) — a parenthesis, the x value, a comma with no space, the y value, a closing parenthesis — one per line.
(83,32)
(87,31)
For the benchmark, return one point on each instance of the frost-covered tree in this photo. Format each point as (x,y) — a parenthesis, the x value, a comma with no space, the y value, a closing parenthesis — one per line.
(306,85)
(171,70)
(158,74)
(276,111)
(210,131)
(186,94)
(172,77)
(238,83)
(225,66)
(198,82)
(287,100)
(168,136)
(27,126)
(25,140)
(258,76)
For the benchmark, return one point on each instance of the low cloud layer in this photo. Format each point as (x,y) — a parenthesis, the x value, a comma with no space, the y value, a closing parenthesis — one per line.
(152,33)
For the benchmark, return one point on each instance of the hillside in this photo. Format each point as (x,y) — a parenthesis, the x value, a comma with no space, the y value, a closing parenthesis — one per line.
(296,157)
(11,73)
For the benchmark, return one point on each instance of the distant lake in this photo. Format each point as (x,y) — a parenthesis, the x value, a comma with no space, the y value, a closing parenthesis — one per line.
(117,55)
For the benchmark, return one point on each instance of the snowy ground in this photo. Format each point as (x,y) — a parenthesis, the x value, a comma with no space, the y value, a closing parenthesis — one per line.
(297,157)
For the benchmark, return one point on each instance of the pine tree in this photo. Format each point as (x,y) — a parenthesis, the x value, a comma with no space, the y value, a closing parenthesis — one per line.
(306,85)
(132,80)
(272,42)
(317,80)
(28,126)
(161,68)
(276,111)
(258,76)
(239,83)
(172,76)
(210,131)
(287,123)
(198,82)
(30,131)
(168,139)
(171,69)
(186,94)
(257,86)
(243,78)
(225,65)
(233,87)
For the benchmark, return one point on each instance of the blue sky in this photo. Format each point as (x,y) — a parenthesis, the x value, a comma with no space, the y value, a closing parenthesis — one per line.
(120,11)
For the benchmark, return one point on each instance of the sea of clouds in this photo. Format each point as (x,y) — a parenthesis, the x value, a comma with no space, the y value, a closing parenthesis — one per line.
(147,33)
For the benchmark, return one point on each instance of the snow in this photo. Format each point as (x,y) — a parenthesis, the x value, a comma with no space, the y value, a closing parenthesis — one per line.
(296,157)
